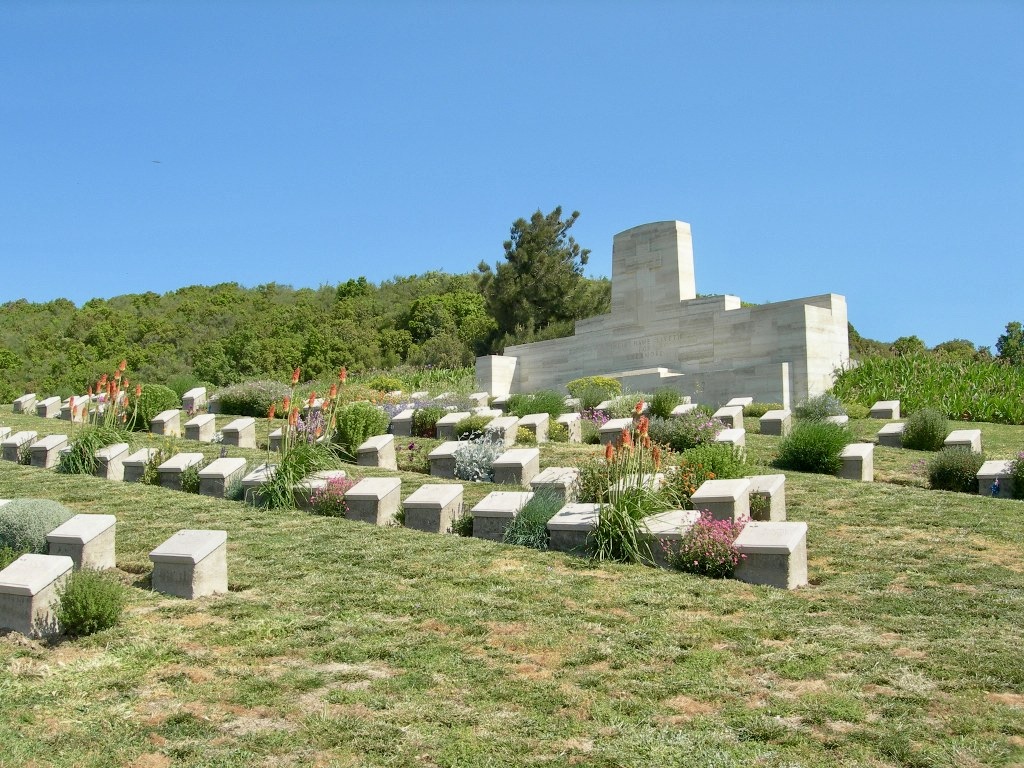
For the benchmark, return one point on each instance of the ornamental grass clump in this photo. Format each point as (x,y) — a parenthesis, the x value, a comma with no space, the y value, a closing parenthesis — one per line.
(546,401)
(955,469)
(925,430)
(819,408)
(474,461)
(663,402)
(89,602)
(680,433)
(814,446)
(529,528)
(24,524)
(708,548)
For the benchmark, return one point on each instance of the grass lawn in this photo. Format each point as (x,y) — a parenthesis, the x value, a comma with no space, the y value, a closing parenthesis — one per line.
(345,644)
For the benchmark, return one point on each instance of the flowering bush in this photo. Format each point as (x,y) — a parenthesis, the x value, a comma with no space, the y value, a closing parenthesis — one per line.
(708,548)
(683,432)
(664,401)
(474,460)
(819,408)
(414,456)
(251,398)
(357,422)
(329,500)
(1017,476)
(623,406)
(424,421)
(591,421)
(955,469)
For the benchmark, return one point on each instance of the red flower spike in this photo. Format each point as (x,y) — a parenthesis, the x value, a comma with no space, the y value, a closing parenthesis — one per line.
(295,376)
(312,399)
(138,390)
(609,452)
(342,374)
(656,453)
(334,391)
(287,403)
(122,366)
(271,412)
(643,424)
(639,408)
(627,439)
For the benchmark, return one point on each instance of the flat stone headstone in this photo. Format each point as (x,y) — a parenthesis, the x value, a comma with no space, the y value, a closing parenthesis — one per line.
(378,451)
(724,499)
(433,508)
(500,403)
(885,409)
(777,422)
(169,473)
(891,435)
(683,408)
(573,404)
(992,471)
(573,422)
(446,425)
(45,452)
(241,432)
(537,423)
(604,406)
(110,461)
(561,481)
(401,423)
(517,466)
(12,445)
(191,564)
(217,477)
(774,554)
(479,398)
(25,403)
(374,500)
(276,437)
(968,439)
(772,488)
(29,592)
(730,415)
(858,462)
(495,512)
(135,465)
(664,530)
(166,423)
(570,527)
(76,411)
(87,539)
(253,482)
(735,437)
(611,430)
(742,402)
(421,395)
(193,400)
(842,420)
(201,428)
(302,492)
(48,408)
(442,459)
(504,429)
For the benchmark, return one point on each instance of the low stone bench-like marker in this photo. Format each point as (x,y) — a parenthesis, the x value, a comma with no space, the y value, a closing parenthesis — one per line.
(664,529)
(730,415)
(169,473)
(891,435)
(46,451)
(742,402)
(433,508)
(421,395)
(858,462)
(166,423)
(775,554)
(570,527)
(48,408)
(5,432)
(193,400)
(25,403)
(446,424)
(885,409)
(378,451)
(241,432)
(401,424)
(778,422)
(252,484)
(495,512)
(772,488)
(683,408)
(316,406)
(504,429)
(604,406)
(135,465)
(969,439)
(217,477)
(201,428)
(563,482)
(28,593)
(517,466)
(992,471)
(538,424)
(374,500)
(573,404)
(191,564)
(276,438)
(13,445)
(77,412)
(489,413)
(110,462)
(500,403)
(480,398)
(611,430)
(87,539)
(724,499)
(737,438)
(574,423)
(651,482)
(442,459)
(842,420)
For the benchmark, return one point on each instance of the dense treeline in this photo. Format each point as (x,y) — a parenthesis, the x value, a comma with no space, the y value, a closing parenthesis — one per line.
(226,333)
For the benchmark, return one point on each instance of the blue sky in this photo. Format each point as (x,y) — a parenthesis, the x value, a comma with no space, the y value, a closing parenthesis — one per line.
(871,149)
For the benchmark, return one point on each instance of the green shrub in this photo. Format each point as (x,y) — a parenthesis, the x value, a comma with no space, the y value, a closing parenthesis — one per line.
(463,524)
(814,446)
(90,601)
(525,436)
(81,459)
(590,433)
(529,527)
(558,432)
(471,427)
(183,382)
(955,469)
(189,479)
(474,460)
(819,408)
(384,383)
(356,422)
(8,556)
(153,399)
(546,401)
(681,433)
(1017,476)
(757,410)
(624,406)
(663,402)
(591,390)
(252,398)
(723,460)
(424,421)
(24,523)
(925,430)
(856,410)
(595,479)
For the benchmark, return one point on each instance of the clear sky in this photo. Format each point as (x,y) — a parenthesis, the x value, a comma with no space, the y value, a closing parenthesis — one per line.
(872,149)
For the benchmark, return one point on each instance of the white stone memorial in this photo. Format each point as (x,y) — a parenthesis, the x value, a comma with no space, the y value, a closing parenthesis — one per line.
(20,441)
(891,435)
(730,415)
(252,483)
(45,452)
(495,512)
(517,466)
(776,422)
(25,403)
(166,423)
(445,427)
(241,432)
(217,477)
(770,491)
(48,408)
(724,499)
(87,539)
(378,451)
(169,473)
(374,500)
(433,508)
(967,439)
(201,428)
(885,409)
(193,400)
(559,481)
(858,462)
(537,423)
(135,465)
(611,431)
(994,479)
(29,592)
(442,459)
(110,461)
(570,527)
(302,492)
(663,531)
(191,564)
(573,422)
(504,429)
(774,554)
(401,424)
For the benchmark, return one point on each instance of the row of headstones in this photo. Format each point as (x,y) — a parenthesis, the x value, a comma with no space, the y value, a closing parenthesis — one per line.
(189,564)
(54,407)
